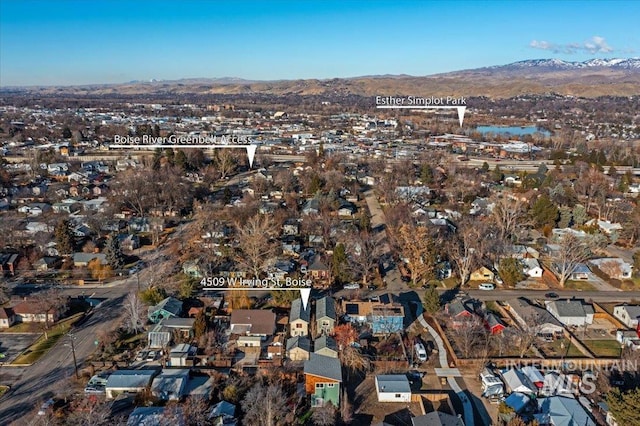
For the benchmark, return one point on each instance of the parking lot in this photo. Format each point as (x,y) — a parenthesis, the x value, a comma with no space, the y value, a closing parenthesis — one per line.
(12,344)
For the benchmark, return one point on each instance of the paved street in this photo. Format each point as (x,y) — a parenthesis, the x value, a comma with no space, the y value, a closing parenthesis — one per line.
(32,385)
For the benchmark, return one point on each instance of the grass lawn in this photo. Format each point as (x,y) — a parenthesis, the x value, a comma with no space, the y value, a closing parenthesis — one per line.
(554,349)
(41,346)
(632,284)
(3,390)
(450,282)
(23,327)
(604,348)
(579,285)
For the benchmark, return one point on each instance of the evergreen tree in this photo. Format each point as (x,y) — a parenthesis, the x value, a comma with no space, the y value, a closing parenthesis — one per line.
(485,167)
(426,174)
(579,214)
(339,264)
(181,161)
(432,302)
(113,253)
(624,406)
(510,271)
(565,217)
(497,174)
(64,237)
(544,212)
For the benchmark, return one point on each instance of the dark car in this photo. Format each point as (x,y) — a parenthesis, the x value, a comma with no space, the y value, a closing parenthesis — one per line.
(405,278)
(551,295)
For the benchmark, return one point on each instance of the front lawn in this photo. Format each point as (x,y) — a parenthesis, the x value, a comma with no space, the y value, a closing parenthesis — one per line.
(579,285)
(555,349)
(42,346)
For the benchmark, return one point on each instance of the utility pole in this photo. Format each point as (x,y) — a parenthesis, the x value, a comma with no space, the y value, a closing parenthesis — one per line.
(73,352)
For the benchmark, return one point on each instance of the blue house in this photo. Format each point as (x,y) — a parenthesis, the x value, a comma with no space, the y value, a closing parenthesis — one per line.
(386,318)
(167,308)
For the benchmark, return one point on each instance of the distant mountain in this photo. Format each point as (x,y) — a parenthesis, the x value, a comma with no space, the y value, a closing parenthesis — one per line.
(592,78)
(559,64)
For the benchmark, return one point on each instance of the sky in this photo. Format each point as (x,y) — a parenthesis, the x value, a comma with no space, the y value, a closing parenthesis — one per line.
(89,42)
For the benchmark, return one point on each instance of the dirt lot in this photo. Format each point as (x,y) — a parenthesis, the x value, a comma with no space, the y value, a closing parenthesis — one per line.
(12,344)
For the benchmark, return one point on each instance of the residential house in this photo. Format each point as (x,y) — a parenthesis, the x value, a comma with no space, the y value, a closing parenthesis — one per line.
(298,348)
(28,311)
(318,269)
(223,414)
(128,381)
(528,315)
(531,267)
(628,338)
(323,378)
(8,263)
(325,315)
(437,418)
(482,274)
(311,207)
(346,209)
(7,317)
(46,263)
(491,384)
(534,375)
(627,314)
(605,226)
(291,227)
(81,260)
(493,323)
(299,319)
(614,267)
(517,381)
(167,308)
(519,402)
(580,272)
(161,334)
(386,318)
(393,388)
(356,311)
(460,311)
(253,322)
(148,416)
(326,345)
(180,354)
(571,311)
(170,384)
(562,411)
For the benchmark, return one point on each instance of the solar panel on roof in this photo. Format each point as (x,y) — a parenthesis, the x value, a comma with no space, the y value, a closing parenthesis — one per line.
(352,308)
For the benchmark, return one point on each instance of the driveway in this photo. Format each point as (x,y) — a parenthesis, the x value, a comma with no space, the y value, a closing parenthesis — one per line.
(12,344)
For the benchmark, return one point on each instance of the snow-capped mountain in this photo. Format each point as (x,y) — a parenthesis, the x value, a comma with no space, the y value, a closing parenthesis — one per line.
(559,64)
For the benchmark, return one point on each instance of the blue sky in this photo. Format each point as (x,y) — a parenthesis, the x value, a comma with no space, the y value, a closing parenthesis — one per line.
(82,42)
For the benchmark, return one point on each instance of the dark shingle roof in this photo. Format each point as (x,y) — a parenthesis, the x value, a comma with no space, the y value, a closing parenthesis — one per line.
(297,312)
(325,307)
(301,342)
(324,366)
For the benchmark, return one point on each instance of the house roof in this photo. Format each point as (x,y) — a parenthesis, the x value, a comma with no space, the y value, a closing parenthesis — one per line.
(88,257)
(493,320)
(259,321)
(323,366)
(456,307)
(393,383)
(6,313)
(223,408)
(437,418)
(298,312)
(518,401)
(170,383)
(325,341)
(517,381)
(185,323)
(170,304)
(532,313)
(325,307)
(301,342)
(633,311)
(29,307)
(562,411)
(130,378)
(571,308)
(146,416)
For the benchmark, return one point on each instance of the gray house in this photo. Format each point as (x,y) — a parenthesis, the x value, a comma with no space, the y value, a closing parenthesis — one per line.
(325,315)
(299,319)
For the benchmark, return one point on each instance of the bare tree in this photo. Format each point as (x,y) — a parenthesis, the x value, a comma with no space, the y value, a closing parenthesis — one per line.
(465,249)
(417,247)
(365,252)
(507,215)
(469,337)
(134,317)
(526,333)
(325,415)
(89,411)
(264,405)
(48,303)
(225,162)
(255,240)
(571,251)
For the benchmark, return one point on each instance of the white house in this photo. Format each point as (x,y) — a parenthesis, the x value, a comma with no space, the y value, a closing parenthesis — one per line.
(128,381)
(393,388)
(628,338)
(571,311)
(627,314)
(531,267)
(614,267)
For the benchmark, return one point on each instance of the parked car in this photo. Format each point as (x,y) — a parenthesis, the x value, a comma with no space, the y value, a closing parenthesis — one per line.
(152,356)
(351,286)
(45,406)
(421,352)
(142,355)
(551,295)
(486,286)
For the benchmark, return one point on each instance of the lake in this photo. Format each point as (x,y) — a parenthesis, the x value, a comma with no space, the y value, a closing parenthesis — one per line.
(512,130)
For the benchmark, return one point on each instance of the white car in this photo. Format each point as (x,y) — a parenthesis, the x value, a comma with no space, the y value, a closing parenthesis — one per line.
(421,353)
(486,286)
(151,356)
(352,286)
(45,406)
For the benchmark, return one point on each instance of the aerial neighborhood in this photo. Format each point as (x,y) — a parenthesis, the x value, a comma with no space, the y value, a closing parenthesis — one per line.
(365,267)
